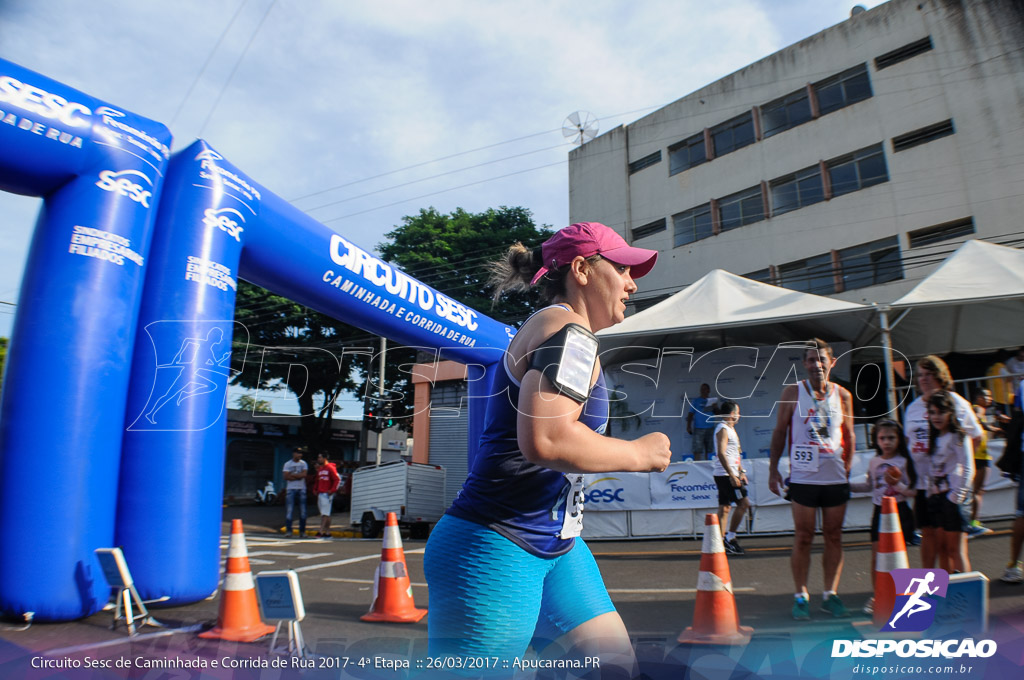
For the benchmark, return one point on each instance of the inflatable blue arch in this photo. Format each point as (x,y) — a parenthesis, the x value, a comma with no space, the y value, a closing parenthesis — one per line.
(119,360)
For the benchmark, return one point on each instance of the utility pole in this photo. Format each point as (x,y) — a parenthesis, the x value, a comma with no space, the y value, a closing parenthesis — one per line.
(380,390)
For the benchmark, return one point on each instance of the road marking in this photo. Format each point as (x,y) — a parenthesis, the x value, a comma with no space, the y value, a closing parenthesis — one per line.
(301,556)
(681,553)
(351,560)
(113,643)
(363,581)
(645,591)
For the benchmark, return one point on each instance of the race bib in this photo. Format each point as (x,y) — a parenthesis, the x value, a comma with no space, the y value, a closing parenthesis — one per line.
(804,458)
(572,523)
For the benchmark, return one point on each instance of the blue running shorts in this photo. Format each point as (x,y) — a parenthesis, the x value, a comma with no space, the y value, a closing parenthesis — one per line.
(491,598)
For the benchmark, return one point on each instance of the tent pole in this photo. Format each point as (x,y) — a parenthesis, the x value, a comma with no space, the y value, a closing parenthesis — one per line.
(890,379)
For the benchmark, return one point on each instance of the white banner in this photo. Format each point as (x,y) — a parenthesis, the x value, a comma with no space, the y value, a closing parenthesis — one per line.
(684,485)
(616,491)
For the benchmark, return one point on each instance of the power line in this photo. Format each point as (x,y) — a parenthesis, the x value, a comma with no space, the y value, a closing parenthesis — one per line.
(234,68)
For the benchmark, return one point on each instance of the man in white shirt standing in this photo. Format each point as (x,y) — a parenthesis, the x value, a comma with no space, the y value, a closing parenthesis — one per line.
(295,475)
(815,430)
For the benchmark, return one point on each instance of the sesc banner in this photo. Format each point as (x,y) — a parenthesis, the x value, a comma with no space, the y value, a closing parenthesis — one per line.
(684,486)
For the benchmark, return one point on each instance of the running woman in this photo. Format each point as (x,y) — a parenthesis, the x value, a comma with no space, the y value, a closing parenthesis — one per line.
(505,565)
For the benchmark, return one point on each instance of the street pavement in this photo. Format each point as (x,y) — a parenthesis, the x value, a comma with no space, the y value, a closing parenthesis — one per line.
(652,583)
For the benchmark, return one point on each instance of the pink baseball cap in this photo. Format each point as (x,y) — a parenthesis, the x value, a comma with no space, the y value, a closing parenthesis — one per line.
(593,238)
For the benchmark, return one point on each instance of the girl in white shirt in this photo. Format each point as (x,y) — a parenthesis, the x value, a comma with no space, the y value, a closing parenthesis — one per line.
(951,475)
(890,473)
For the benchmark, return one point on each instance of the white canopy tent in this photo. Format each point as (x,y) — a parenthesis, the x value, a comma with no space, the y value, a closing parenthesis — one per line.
(973,302)
(722,309)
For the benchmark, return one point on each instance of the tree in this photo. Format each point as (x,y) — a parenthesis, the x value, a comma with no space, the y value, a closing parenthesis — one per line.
(450,253)
(250,403)
(3,357)
(293,347)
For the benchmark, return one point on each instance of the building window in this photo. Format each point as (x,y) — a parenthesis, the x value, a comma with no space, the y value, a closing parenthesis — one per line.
(858,170)
(870,264)
(941,232)
(798,190)
(692,225)
(922,135)
(812,275)
(686,154)
(645,162)
(903,53)
(782,114)
(733,134)
(849,87)
(743,207)
(762,275)
(649,228)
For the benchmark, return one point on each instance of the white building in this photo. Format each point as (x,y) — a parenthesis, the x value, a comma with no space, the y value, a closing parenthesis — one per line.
(847,164)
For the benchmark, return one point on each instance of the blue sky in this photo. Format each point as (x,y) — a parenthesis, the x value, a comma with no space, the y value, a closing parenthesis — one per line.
(361,113)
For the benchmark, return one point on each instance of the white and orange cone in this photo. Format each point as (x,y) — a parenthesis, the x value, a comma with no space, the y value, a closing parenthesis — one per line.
(239,617)
(892,554)
(392,590)
(715,617)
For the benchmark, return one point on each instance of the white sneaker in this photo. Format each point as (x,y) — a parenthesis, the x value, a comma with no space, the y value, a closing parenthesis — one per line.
(1014,574)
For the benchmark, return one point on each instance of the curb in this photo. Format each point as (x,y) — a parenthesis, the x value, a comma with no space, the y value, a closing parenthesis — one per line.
(334,534)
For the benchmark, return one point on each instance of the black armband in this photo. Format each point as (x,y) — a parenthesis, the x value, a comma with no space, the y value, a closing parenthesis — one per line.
(567,359)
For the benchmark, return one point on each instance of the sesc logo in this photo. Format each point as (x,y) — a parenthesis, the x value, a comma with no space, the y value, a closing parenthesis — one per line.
(221,219)
(914,610)
(604,495)
(124,184)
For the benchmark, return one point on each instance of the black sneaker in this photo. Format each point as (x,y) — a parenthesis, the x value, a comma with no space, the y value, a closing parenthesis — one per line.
(732,547)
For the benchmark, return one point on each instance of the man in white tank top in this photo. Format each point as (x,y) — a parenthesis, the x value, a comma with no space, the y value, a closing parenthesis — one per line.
(815,429)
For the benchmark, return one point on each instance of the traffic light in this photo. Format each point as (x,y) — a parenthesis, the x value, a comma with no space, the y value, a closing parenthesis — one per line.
(372,421)
(389,420)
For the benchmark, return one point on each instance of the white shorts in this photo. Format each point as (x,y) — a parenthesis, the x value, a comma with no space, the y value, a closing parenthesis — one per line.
(323,502)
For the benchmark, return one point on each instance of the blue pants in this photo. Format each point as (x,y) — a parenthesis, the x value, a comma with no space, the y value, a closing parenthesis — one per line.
(489,597)
(289,501)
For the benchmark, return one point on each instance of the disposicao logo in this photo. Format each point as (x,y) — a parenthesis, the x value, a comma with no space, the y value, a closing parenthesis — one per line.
(916,589)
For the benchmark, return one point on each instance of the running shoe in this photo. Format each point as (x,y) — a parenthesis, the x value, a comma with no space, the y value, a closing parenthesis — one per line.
(977,529)
(869,608)
(801,612)
(834,606)
(732,547)
(914,538)
(1013,574)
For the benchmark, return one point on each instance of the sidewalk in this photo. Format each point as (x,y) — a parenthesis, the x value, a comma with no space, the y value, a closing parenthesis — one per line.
(269,519)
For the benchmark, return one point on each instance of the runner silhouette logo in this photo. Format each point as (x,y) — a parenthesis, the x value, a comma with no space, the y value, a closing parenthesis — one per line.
(916,592)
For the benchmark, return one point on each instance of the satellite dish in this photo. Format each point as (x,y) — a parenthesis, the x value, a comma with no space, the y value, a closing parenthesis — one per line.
(858,9)
(580,127)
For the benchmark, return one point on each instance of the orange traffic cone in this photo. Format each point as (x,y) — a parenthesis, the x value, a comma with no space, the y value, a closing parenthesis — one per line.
(392,591)
(715,617)
(892,554)
(239,617)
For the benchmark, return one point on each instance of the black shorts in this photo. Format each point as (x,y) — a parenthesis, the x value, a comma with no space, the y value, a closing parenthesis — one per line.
(819,495)
(906,520)
(947,515)
(921,516)
(727,493)
(982,463)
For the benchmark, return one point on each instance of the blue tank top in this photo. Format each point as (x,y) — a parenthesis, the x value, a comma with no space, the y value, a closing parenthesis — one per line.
(520,500)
